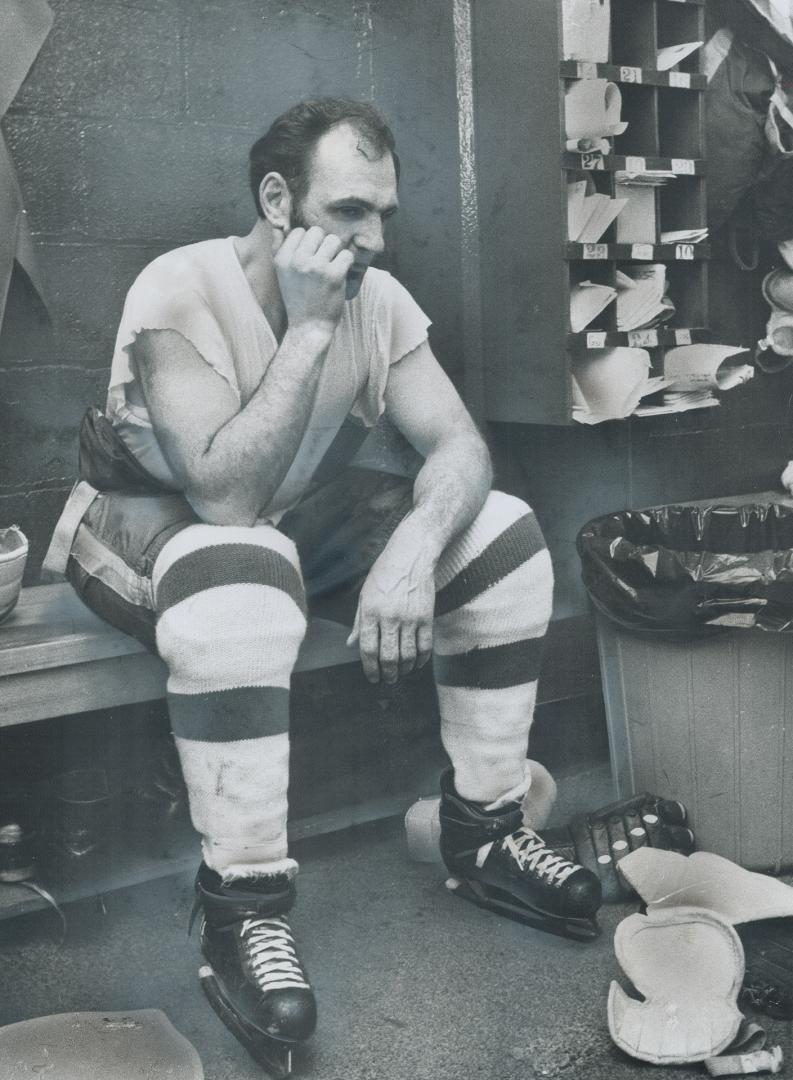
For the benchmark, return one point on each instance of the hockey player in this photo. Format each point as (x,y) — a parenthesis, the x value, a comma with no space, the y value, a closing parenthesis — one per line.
(209,513)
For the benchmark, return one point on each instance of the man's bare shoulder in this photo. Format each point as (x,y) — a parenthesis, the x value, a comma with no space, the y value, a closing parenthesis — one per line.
(185,266)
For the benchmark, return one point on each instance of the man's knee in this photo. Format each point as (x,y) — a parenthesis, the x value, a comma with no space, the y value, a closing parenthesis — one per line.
(230,605)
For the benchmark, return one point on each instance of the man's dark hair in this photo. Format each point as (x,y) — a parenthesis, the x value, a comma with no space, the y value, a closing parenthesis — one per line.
(288,145)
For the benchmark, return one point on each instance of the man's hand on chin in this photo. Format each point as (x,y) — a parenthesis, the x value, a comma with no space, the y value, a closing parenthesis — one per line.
(393,623)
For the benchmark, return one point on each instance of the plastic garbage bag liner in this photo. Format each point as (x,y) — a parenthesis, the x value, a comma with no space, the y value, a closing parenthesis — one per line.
(684,571)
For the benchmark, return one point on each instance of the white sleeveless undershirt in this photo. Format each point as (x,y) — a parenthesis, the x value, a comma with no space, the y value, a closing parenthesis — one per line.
(201,292)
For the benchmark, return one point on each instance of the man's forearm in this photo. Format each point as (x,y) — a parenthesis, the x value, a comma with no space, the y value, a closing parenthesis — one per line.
(449,491)
(249,456)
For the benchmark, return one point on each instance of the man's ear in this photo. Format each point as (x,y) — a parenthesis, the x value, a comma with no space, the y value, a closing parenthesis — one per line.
(276,201)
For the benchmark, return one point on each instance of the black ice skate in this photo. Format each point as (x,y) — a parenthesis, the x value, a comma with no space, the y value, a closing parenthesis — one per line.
(502,865)
(253,978)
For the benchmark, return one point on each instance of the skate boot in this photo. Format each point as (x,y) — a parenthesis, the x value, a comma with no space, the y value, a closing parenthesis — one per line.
(504,866)
(253,978)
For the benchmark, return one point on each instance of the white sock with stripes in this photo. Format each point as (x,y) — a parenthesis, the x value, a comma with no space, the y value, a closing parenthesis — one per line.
(230,620)
(493,605)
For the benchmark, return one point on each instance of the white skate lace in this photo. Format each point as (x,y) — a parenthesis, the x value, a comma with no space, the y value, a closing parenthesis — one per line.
(271,952)
(529,851)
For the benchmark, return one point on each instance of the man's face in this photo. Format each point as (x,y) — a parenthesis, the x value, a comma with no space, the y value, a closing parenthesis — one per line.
(352,193)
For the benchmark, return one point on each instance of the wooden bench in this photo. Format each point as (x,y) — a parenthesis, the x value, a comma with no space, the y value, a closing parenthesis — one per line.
(58,658)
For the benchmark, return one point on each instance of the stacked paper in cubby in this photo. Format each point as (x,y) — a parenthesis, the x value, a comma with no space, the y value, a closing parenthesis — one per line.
(608,384)
(637,223)
(587,300)
(641,296)
(684,236)
(589,213)
(671,55)
(592,109)
(692,374)
(585,30)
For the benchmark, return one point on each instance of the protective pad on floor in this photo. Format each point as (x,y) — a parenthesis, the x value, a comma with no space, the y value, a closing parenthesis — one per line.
(137,1045)
(666,879)
(688,966)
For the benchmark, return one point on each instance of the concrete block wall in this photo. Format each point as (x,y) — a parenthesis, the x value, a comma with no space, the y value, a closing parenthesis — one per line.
(130,137)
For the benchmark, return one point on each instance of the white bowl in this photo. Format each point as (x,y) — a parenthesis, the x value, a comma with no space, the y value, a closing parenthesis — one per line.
(13,556)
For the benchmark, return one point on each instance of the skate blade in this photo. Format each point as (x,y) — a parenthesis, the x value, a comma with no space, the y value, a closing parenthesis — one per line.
(503,904)
(274,1055)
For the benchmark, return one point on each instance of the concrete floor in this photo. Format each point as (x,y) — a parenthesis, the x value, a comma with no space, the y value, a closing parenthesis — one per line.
(412,983)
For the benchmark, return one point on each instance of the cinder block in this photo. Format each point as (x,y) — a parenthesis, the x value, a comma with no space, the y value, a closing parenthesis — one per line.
(698,464)
(108,59)
(281,53)
(86,285)
(176,183)
(46,153)
(40,409)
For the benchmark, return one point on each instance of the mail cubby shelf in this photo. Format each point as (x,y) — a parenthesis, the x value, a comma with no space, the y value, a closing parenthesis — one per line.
(631,75)
(596,161)
(653,338)
(637,252)
(590,170)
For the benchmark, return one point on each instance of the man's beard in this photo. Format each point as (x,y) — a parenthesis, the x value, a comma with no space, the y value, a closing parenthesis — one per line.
(297,219)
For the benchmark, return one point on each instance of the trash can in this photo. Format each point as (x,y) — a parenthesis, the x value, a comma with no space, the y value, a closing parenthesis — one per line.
(694,612)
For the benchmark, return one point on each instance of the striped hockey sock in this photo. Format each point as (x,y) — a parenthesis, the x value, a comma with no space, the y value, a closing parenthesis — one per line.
(493,605)
(230,619)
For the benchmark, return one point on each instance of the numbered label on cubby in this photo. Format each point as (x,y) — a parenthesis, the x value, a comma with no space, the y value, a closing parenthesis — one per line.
(630,74)
(642,251)
(592,160)
(635,164)
(684,251)
(682,337)
(683,166)
(597,251)
(596,340)
(680,78)
(643,339)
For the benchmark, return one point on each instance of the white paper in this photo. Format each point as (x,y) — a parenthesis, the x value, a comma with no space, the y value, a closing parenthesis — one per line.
(683,404)
(576,218)
(673,54)
(648,177)
(587,300)
(706,367)
(603,211)
(588,146)
(585,30)
(641,289)
(608,384)
(637,223)
(684,236)
(592,109)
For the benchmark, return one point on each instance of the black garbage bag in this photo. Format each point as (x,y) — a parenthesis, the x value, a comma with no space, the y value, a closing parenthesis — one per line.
(688,571)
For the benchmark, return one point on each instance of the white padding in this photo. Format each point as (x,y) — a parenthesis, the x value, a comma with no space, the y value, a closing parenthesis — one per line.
(666,879)
(688,965)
